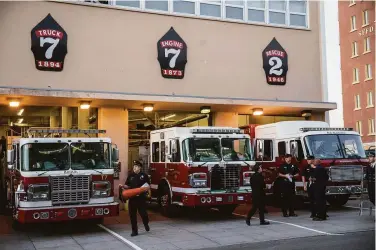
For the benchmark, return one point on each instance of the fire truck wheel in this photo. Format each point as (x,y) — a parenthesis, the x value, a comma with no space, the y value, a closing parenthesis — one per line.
(227,209)
(164,201)
(338,200)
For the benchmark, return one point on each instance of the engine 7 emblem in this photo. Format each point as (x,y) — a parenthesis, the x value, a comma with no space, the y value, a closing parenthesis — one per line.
(275,63)
(49,45)
(172,55)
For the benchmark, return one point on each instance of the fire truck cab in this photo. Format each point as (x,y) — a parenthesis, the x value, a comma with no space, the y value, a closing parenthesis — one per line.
(200,166)
(339,149)
(52,177)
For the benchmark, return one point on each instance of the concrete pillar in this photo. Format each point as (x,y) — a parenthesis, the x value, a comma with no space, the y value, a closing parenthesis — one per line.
(54,121)
(66,117)
(83,118)
(115,122)
(226,119)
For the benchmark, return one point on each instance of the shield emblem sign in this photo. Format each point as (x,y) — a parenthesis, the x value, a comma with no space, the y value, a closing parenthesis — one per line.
(275,63)
(49,45)
(172,55)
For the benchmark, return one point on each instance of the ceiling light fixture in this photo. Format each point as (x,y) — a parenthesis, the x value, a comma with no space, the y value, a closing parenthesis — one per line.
(205,110)
(257,111)
(84,105)
(306,113)
(20,121)
(148,107)
(14,102)
(20,112)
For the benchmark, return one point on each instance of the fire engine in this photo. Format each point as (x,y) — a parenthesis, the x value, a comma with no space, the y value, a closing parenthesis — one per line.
(200,167)
(339,149)
(53,177)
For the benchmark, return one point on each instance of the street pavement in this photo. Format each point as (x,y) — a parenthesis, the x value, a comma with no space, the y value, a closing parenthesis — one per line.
(194,230)
(353,241)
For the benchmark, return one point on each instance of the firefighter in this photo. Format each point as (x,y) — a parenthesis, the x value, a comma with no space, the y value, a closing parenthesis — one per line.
(370,177)
(307,177)
(258,196)
(319,181)
(137,203)
(287,173)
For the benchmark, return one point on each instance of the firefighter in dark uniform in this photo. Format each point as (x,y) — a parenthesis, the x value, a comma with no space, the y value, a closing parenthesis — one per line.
(287,173)
(319,181)
(370,177)
(307,177)
(137,203)
(258,196)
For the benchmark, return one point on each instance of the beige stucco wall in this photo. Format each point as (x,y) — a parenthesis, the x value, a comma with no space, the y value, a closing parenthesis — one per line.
(115,50)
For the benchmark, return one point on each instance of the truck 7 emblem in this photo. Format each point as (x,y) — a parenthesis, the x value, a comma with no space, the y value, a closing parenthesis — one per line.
(104,177)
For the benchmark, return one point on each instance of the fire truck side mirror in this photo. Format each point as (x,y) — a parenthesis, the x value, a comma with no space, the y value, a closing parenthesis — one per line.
(115,154)
(260,149)
(174,148)
(294,149)
(10,156)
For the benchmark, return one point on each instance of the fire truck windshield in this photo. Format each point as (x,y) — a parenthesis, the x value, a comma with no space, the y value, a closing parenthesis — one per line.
(90,155)
(335,146)
(213,149)
(45,157)
(236,149)
(202,149)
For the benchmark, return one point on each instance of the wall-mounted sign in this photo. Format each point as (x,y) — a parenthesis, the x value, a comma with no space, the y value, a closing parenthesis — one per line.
(366,30)
(172,55)
(49,45)
(275,63)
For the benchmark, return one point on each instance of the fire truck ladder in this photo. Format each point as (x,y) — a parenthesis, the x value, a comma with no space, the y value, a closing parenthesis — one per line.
(57,132)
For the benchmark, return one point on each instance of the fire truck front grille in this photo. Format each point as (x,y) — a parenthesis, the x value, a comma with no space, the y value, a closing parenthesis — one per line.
(346,173)
(225,178)
(70,189)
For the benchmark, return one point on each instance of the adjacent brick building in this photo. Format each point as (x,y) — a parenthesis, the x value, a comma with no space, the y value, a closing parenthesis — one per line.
(357,42)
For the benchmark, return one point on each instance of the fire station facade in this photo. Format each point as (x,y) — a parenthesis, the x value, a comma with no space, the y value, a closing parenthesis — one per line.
(234,58)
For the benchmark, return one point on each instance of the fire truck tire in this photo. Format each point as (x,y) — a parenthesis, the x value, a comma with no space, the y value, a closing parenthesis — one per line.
(227,209)
(337,200)
(164,201)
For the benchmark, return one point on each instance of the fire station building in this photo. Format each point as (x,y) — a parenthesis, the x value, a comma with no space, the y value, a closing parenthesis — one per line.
(133,66)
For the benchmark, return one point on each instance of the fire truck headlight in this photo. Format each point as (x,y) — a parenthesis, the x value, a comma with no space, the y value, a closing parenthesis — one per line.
(38,192)
(100,189)
(198,180)
(247,178)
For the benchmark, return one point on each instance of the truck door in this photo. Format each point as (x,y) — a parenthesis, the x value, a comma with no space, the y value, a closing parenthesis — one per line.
(265,155)
(172,166)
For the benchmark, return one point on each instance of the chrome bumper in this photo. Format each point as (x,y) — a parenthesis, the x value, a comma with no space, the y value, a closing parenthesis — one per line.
(352,189)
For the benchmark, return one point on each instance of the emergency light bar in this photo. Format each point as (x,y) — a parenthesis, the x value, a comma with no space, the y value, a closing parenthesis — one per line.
(325,129)
(68,131)
(215,131)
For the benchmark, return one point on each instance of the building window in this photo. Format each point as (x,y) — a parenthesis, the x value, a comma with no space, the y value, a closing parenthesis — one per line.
(210,8)
(352,2)
(277,12)
(298,12)
(354,47)
(256,11)
(355,75)
(358,127)
(184,6)
(234,9)
(357,102)
(369,99)
(365,18)
(353,23)
(367,44)
(371,126)
(133,4)
(156,5)
(368,72)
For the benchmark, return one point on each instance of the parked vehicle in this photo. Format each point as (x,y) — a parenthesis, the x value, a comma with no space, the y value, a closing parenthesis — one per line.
(61,178)
(340,150)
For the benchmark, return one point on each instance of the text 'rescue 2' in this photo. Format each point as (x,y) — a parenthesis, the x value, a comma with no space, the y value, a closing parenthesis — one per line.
(275,63)
(49,45)
(172,55)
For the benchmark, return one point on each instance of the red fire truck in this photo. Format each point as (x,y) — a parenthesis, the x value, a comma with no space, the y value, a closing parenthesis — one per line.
(340,150)
(200,166)
(52,177)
